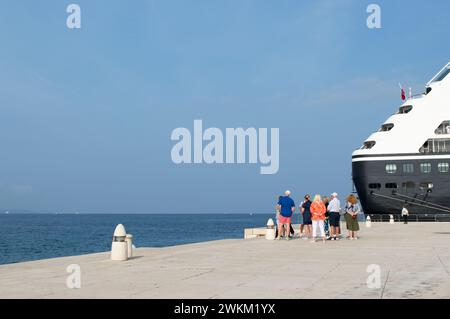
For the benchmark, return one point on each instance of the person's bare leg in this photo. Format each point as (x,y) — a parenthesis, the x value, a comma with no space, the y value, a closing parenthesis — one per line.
(301,230)
(288,230)
(280,227)
(322,231)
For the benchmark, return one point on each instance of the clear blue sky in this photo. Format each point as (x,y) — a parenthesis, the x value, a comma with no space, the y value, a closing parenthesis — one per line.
(86,115)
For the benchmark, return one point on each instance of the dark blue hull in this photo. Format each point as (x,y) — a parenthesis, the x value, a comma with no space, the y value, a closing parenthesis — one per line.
(423,185)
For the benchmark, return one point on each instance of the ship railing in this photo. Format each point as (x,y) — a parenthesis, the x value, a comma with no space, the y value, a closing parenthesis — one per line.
(416,96)
(411,217)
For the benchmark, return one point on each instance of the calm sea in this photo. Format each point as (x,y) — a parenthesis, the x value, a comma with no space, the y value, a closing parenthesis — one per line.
(36,236)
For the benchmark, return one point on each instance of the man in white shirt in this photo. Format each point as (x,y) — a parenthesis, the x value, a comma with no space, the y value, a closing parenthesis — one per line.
(334,208)
(405,214)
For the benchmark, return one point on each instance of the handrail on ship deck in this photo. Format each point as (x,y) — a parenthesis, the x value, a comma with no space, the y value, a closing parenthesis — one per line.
(437,74)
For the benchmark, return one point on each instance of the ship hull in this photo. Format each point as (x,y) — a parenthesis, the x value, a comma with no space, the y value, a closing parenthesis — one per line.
(380,192)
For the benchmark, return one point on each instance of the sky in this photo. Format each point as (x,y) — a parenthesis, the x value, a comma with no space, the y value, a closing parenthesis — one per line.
(86,115)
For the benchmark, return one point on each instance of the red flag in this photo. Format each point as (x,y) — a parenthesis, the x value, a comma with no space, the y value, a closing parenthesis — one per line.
(403,92)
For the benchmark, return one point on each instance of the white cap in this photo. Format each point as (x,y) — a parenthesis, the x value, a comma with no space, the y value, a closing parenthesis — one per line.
(334,194)
(287,193)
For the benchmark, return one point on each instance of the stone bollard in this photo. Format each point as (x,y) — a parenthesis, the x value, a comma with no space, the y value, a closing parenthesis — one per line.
(270,231)
(368,222)
(119,246)
(129,241)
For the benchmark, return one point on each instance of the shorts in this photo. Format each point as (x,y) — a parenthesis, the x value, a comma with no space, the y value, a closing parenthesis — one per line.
(307,219)
(284,220)
(335,219)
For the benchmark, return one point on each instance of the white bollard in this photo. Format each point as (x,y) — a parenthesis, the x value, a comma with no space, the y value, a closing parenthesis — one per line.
(129,240)
(391,219)
(270,231)
(119,249)
(368,222)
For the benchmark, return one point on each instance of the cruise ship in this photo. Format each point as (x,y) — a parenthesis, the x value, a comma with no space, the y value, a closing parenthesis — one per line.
(406,162)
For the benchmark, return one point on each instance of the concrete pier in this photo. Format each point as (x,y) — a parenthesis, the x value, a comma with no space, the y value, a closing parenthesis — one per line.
(414,261)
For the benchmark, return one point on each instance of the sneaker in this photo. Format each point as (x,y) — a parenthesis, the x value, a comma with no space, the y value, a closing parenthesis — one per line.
(278,238)
(336,238)
(305,238)
(313,241)
(333,238)
(288,238)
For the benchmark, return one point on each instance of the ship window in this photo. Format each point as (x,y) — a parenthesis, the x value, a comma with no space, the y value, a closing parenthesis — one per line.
(436,145)
(443,128)
(425,167)
(407,185)
(391,185)
(408,168)
(386,127)
(405,109)
(368,145)
(443,167)
(391,168)
(374,186)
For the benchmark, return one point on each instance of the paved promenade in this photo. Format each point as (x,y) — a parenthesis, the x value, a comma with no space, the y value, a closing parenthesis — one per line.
(414,260)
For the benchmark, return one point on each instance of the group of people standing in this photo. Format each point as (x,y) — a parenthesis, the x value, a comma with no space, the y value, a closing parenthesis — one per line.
(319,214)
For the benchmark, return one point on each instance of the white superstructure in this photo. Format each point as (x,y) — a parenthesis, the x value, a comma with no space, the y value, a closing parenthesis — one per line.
(415,122)
(407,161)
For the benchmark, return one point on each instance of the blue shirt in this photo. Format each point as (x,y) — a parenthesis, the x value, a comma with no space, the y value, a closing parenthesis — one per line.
(286,204)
